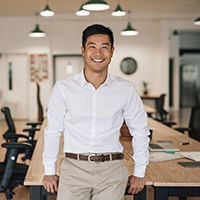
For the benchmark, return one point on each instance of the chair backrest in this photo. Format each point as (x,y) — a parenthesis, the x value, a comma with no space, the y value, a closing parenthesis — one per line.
(9,120)
(194,123)
(160,108)
(40,108)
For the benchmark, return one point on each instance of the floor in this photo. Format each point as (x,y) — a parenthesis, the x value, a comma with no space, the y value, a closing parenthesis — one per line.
(22,193)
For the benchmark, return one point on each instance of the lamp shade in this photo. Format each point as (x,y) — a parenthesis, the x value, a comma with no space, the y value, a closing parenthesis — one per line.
(118,12)
(37,32)
(82,12)
(47,12)
(129,31)
(96,5)
(197,21)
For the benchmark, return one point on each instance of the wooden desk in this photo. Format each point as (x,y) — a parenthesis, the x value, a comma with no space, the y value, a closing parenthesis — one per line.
(169,178)
(149,110)
(153,98)
(35,172)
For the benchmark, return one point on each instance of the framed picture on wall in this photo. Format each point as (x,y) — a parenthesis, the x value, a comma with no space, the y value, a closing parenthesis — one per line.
(38,67)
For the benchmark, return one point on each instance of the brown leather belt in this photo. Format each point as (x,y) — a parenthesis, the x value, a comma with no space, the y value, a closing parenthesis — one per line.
(96,157)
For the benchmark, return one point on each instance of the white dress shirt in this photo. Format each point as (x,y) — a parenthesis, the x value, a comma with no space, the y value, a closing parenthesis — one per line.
(91,119)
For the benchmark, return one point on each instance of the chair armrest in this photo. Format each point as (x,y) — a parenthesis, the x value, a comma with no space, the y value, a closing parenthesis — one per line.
(169,123)
(17,145)
(30,129)
(31,132)
(15,136)
(34,124)
(182,129)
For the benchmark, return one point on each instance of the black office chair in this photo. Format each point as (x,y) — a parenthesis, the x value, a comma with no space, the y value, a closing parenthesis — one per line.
(162,113)
(12,131)
(12,173)
(194,124)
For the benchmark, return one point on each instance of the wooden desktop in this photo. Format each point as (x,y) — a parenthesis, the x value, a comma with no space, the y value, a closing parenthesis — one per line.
(168,178)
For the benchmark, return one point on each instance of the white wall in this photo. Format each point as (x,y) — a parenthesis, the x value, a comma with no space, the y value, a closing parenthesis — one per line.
(150,49)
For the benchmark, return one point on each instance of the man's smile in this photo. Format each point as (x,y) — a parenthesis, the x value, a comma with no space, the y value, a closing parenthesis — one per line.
(98,59)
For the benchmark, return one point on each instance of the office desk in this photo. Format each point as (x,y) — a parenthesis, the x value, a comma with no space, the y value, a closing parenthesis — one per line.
(150,97)
(151,100)
(149,110)
(169,178)
(35,172)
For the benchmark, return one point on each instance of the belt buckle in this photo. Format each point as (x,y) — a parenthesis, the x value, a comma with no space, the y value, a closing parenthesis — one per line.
(93,154)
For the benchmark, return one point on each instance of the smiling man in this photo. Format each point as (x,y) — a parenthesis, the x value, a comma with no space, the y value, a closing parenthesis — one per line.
(90,108)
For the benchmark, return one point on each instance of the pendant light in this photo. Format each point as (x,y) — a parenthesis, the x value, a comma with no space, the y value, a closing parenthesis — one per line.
(81,12)
(197,21)
(96,5)
(47,12)
(37,32)
(129,30)
(118,12)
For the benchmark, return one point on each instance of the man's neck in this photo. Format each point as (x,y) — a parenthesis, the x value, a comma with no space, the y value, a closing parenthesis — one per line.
(96,79)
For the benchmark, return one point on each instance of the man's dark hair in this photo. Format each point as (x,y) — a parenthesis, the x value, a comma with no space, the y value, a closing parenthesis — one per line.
(97,29)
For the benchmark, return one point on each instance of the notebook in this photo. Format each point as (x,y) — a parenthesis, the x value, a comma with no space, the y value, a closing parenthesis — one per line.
(162,146)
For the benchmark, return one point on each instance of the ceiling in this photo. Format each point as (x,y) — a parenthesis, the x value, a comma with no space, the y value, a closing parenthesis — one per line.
(180,9)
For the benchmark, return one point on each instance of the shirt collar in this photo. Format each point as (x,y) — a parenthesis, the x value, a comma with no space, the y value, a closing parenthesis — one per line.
(107,82)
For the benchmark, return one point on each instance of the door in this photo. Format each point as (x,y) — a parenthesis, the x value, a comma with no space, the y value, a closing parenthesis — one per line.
(14,84)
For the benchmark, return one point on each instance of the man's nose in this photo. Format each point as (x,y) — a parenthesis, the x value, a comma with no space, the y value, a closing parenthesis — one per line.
(98,51)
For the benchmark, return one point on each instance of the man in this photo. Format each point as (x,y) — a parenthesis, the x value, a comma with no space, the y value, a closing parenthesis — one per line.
(90,108)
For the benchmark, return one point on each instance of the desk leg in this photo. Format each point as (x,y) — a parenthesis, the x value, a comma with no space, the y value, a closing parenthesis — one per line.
(160,193)
(141,195)
(36,193)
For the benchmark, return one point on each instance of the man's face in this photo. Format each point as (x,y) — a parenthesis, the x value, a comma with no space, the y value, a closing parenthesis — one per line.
(97,53)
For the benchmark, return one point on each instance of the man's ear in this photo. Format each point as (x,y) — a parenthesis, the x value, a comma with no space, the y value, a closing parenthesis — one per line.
(82,50)
(113,49)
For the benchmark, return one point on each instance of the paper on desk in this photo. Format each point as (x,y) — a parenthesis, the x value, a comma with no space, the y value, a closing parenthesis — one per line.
(194,155)
(163,156)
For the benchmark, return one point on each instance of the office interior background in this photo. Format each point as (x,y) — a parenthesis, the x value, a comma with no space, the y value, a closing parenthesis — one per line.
(169,62)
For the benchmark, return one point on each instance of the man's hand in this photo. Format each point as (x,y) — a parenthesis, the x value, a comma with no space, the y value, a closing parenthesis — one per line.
(50,183)
(136,184)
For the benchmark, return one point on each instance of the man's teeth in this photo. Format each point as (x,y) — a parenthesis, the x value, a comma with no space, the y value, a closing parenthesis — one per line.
(97,60)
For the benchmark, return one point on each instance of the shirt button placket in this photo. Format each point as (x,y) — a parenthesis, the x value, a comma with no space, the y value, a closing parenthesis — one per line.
(94,112)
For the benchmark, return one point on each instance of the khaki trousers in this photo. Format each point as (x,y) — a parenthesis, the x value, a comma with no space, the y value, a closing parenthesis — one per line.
(82,180)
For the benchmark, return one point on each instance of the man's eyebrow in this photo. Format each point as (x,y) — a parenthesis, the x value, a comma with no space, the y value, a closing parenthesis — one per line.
(90,43)
(104,43)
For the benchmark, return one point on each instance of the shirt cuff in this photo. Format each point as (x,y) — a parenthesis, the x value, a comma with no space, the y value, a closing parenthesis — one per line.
(139,171)
(49,170)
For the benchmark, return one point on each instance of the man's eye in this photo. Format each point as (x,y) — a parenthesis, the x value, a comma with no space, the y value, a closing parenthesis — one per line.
(104,47)
(91,47)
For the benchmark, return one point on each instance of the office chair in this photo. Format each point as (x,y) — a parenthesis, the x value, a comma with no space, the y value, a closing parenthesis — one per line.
(194,124)
(162,113)
(12,173)
(12,131)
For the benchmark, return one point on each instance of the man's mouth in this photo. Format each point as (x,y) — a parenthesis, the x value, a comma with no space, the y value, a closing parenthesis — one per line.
(98,60)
